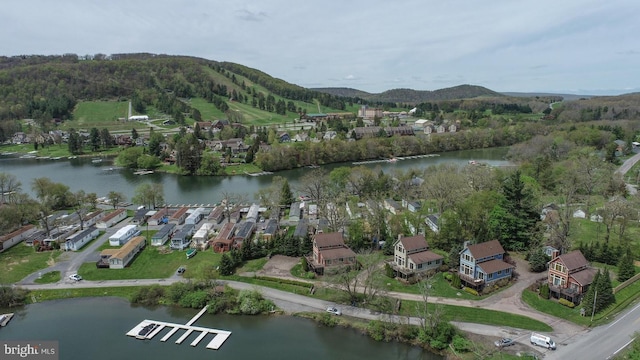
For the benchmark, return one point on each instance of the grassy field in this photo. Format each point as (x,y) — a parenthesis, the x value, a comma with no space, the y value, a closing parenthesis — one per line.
(439,287)
(49,278)
(151,263)
(21,260)
(46,295)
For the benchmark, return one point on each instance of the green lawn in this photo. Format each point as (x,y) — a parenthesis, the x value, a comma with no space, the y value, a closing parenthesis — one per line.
(252,265)
(49,278)
(439,287)
(151,263)
(46,295)
(21,260)
(89,113)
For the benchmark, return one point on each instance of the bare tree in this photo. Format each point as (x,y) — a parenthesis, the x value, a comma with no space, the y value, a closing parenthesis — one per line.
(115,198)
(429,319)
(616,209)
(444,185)
(9,186)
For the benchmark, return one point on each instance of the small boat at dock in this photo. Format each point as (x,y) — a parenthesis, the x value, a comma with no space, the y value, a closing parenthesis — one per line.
(5,318)
(191,253)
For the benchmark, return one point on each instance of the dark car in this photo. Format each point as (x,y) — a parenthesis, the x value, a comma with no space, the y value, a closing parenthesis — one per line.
(504,342)
(181,270)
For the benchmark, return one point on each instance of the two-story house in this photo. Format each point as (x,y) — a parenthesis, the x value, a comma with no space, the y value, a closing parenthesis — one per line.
(330,252)
(483,264)
(412,257)
(569,276)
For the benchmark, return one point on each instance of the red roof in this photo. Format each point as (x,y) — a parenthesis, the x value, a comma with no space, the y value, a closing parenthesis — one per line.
(324,240)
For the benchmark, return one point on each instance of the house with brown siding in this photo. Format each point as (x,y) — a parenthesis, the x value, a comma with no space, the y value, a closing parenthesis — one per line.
(330,252)
(179,216)
(569,276)
(224,239)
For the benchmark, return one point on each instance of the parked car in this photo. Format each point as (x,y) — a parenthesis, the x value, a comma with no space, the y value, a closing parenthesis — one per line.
(75,277)
(181,270)
(542,340)
(504,342)
(334,310)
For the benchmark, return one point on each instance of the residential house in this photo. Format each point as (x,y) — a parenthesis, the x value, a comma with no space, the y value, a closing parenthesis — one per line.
(413,206)
(76,241)
(295,212)
(412,257)
(330,252)
(204,125)
(284,137)
(579,214)
(243,232)
(224,239)
(123,235)
(159,217)
(10,239)
(92,218)
(329,135)
(301,137)
(163,235)
(433,222)
(140,217)
(112,218)
(216,215)
(483,264)
(270,229)
(392,206)
(126,253)
(569,276)
(200,239)
(312,211)
(182,238)
(253,212)
(195,216)
(302,229)
(178,217)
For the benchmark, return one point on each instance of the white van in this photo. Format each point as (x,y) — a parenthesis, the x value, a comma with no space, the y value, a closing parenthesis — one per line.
(542,340)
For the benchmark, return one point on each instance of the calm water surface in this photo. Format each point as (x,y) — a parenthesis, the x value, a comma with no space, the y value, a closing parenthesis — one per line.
(95,328)
(82,174)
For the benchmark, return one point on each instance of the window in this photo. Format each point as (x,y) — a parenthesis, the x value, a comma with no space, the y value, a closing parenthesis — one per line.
(489,277)
(419,266)
(411,266)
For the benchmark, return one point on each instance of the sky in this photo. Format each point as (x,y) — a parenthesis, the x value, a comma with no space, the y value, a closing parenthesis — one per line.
(567,46)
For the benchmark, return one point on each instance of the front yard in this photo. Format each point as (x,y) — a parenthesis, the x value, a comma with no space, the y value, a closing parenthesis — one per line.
(20,261)
(152,263)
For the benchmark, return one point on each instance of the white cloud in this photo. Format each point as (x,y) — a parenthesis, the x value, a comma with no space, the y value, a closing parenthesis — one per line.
(526,45)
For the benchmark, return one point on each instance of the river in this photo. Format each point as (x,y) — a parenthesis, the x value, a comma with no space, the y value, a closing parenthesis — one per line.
(83,174)
(95,328)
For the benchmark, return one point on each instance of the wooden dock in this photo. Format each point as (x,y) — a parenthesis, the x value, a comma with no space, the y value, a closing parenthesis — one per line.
(219,336)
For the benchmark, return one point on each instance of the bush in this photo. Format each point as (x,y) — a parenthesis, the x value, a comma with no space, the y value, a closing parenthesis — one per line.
(461,344)
(471,291)
(388,271)
(376,329)
(305,265)
(196,299)
(329,320)
(544,291)
(567,303)
(148,295)
(455,281)
(251,302)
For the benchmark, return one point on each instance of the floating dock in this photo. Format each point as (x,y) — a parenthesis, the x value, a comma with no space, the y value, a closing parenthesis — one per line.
(219,336)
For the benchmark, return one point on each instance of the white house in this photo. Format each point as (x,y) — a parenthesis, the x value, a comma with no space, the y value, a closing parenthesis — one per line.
(111,219)
(139,118)
(8,240)
(201,237)
(580,214)
(123,235)
(195,216)
(76,241)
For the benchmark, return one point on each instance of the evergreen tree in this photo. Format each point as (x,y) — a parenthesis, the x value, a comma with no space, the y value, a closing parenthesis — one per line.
(246,251)
(514,220)
(588,299)
(134,134)
(538,261)
(226,265)
(286,196)
(306,246)
(626,270)
(605,291)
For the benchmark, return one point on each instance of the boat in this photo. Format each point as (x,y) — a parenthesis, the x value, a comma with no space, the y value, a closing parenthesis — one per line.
(191,253)
(145,331)
(5,318)
(97,160)
(72,157)
(392,160)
